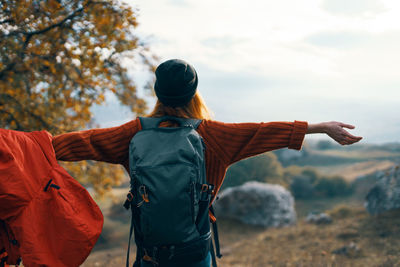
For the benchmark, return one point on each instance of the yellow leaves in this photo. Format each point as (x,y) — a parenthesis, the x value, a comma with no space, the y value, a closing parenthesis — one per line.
(53,4)
(9,91)
(74,75)
(100,99)
(50,5)
(50,66)
(104,21)
(33,96)
(47,86)
(69,103)
(53,69)
(13,124)
(77,107)
(67,93)
(19,11)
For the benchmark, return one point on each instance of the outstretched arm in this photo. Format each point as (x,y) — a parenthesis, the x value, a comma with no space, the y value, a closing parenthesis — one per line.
(335,130)
(235,141)
(107,144)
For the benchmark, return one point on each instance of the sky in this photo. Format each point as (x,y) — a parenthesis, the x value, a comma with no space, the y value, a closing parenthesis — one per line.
(263,60)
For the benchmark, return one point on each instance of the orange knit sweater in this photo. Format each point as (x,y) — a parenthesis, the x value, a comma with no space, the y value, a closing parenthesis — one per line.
(225,143)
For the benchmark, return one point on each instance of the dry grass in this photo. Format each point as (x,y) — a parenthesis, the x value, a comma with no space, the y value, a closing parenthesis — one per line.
(353,170)
(377,239)
(366,153)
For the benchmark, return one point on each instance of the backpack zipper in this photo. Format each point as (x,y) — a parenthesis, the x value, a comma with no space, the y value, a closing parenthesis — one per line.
(143,193)
(192,192)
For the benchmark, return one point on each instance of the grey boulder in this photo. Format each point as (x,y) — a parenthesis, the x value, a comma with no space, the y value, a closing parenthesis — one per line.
(257,203)
(385,194)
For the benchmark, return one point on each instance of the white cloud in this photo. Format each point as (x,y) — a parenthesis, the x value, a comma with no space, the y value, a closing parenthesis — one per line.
(364,8)
(180,3)
(341,40)
(283,60)
(222,42)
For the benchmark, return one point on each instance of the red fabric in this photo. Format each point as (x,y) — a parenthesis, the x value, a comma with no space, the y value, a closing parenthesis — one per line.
(56,227)
(11,250)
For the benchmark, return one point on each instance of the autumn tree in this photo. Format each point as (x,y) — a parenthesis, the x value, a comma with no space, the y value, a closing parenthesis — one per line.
(60,57)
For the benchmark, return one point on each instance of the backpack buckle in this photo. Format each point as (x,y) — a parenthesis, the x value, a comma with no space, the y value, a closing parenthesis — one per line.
(129,197)
(128,201)
(207,188)
(204,188)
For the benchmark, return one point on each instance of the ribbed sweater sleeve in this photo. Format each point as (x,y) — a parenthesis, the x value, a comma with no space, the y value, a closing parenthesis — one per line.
(225,143)
(107,144)
(236,141)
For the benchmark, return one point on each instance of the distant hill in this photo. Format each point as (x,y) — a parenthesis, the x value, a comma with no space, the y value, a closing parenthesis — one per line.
(349,162)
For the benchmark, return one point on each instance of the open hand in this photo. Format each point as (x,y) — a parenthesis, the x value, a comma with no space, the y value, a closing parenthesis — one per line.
(336,131)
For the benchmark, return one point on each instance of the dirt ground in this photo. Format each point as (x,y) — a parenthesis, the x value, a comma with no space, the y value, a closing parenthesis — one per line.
(353,239)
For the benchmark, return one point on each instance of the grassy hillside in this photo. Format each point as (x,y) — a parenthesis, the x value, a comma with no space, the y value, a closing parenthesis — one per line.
(314,154)
(370,241)
(350,171)
(353,239)
(349,162)
(357,238)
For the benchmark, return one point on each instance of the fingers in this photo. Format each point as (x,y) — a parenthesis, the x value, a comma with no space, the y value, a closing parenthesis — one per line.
(349,126)
(352,137)
(348,140)
(336,131)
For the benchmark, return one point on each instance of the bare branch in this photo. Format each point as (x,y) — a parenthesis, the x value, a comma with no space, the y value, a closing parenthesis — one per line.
(30,34)
(75,13)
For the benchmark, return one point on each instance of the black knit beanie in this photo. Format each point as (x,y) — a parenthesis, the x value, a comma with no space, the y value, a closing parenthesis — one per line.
(176,82)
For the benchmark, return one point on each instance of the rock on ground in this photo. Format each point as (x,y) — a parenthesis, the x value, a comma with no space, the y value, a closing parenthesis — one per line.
(319,218)
(257,203)
(385,195)
(350,250)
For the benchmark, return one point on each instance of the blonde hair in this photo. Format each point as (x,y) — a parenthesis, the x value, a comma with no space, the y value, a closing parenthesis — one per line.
(195,109)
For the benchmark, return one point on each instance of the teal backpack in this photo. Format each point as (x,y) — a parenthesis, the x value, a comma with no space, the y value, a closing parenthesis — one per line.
(169,196)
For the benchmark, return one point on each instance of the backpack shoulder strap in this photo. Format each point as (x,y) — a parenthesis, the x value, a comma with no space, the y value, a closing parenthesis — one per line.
(191,122)
(148,123)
